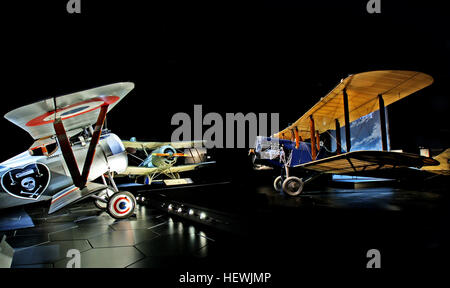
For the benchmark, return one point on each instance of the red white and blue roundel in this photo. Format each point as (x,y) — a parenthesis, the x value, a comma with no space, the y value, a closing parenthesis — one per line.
(121,205)
(73,110)
(77,110)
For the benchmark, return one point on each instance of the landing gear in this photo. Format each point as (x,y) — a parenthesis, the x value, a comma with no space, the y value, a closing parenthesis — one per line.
(121,205)
(290,185)
(277,183)
(104,194)
(293,186)
(147,180)
(151,177)
(118,204)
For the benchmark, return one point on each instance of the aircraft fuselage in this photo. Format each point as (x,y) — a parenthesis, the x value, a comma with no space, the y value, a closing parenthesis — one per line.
(26,179)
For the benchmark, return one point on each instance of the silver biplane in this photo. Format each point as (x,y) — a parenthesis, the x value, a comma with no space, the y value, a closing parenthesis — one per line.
(68,133)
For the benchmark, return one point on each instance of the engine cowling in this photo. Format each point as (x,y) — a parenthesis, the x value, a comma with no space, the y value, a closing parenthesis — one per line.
(160,161)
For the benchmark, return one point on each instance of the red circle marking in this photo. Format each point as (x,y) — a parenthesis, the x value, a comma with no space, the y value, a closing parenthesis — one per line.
(107,100)
(115,205)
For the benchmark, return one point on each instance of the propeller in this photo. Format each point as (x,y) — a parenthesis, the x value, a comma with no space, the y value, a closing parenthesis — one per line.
(170,154)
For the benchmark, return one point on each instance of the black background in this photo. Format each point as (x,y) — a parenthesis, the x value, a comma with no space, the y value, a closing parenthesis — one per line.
(229,56)
(265,56)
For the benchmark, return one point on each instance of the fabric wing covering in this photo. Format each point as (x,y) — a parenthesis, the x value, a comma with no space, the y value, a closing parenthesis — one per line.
(362,90)
(77,110)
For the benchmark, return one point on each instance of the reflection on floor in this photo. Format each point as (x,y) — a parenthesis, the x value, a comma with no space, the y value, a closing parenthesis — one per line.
(327,228)
(321,229)
(150,239)
(382,198)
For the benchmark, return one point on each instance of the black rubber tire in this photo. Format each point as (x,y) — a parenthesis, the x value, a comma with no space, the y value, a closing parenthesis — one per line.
(277,184)
(121,205)
(293,186)
(102,205)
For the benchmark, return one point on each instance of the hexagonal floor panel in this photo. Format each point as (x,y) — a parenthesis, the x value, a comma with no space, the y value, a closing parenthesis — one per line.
(148,239)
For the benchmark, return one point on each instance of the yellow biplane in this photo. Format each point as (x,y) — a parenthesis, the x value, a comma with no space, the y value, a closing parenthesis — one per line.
(298,146)
(160,160)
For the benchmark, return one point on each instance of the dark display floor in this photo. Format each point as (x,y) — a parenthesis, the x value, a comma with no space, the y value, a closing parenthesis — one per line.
(151,239)
(331,228)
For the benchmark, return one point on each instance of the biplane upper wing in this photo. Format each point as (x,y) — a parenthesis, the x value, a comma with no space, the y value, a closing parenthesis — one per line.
(362,93)
(154,145)
(361,161)
(77,110)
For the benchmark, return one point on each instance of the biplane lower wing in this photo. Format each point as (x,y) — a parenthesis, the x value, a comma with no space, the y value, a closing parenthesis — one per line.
(133,170)
(444,167)
(73,194)
(154,145)
(362,161)
(189,167)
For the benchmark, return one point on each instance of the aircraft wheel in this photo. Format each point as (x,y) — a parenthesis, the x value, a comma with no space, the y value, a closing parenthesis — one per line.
(293,186)
(121,205)
(277,183)
(105,194)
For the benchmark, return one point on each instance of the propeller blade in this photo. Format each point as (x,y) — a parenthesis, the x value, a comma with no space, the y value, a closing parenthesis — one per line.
(170,155)
(161,154)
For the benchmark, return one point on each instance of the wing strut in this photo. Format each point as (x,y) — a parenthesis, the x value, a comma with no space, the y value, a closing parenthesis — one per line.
(79,180)
(347,121)
(297,138)
(382,122)
(317,140)
(94,141)
(67,152)
(313,138)
(338,136)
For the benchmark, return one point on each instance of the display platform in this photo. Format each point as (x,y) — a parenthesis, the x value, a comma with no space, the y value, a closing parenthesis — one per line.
(150,239)
(246,228)
(326,228)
